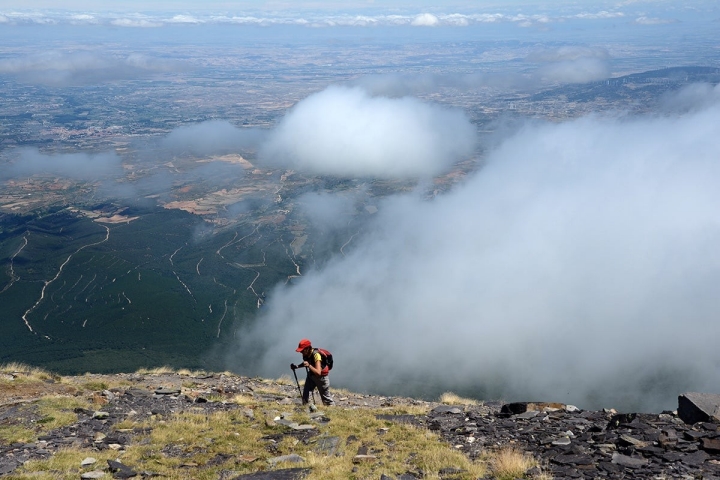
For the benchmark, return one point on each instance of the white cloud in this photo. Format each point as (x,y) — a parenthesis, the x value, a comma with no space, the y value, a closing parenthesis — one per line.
(135,22)
(580,265)
(696,96)
(653,21)
(84,19)
(344,131)
(598,15)
(457,20)
(425,20)
(189,19)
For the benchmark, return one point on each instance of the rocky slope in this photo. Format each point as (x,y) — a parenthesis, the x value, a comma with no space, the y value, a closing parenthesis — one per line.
(569,442)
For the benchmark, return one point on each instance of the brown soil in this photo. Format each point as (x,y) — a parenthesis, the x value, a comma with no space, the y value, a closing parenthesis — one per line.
(19,390)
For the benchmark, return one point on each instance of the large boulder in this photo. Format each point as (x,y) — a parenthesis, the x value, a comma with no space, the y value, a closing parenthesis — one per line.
(696,407)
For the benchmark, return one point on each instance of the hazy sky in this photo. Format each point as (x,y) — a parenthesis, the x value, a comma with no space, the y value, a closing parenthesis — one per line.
(668,8)
(579,265)
(272,4)
(330,4)
(612,19)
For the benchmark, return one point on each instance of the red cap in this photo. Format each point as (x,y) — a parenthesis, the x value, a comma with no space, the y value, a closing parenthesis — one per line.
(304,343)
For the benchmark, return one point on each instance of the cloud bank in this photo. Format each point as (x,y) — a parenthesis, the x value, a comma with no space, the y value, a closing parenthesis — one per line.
(203,139)
(566,64)
(580,265)
(346,132)
(399,85)
(211,137)
(693,97)
(571,64)
(59,68)
(82,166)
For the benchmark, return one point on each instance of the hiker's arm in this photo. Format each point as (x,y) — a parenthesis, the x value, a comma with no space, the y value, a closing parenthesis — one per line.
(316,369)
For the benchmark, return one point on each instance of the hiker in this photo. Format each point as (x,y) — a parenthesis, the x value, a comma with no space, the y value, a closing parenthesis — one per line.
(317,374)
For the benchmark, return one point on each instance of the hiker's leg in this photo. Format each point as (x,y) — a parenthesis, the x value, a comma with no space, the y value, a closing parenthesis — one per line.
(307,389)
(323,386)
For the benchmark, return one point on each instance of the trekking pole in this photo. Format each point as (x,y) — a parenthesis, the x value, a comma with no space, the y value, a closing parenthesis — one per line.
(293,367)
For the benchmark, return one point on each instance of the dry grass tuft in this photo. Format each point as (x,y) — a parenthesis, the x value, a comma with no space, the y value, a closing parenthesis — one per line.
(244,399)
(183,372)
(20,370)
(450,398)
(399,449)
(94,386)
(543,476)
(510,463)
(164,370)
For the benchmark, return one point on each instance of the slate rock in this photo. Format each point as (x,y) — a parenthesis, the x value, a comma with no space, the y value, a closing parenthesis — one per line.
(327,445)
(363,458)
(696,458)
(672,457)
(627,440)
(693,435)
(303,426)
(573,459)
(562,441)
(609,467)
(293,458)
(710,445)
(447,409)
(120,470)
(167,391)
(630,462)
(9,467)
(283,474)
(694,407)
(620,418)
(405,419)
(93,474)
